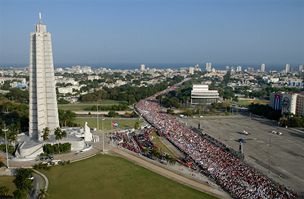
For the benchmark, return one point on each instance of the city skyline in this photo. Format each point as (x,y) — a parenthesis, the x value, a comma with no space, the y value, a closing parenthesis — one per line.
(127,32)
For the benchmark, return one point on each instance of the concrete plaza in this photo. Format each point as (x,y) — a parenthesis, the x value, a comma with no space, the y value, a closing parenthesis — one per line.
(281,157)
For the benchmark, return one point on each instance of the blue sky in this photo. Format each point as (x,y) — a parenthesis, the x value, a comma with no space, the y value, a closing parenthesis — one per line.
(157,31)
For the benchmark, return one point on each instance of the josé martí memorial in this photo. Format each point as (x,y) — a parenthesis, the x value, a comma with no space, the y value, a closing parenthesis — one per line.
(43,109)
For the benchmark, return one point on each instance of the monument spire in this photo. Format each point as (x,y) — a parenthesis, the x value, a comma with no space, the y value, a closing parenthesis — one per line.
(40,18)
(43,109)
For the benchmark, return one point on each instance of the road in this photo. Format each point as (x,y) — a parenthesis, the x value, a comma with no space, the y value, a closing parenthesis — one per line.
(38,184)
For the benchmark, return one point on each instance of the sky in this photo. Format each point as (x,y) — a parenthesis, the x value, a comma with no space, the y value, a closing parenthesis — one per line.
(157,31)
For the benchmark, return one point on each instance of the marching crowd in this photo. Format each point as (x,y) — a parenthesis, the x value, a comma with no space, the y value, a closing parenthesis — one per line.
(122,139)
(231,173)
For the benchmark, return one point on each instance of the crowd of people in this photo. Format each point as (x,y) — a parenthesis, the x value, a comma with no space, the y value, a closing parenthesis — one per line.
(124,140)
(230,172)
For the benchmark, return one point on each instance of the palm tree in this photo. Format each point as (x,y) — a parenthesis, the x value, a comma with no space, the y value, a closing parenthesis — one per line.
(58,133)
(46,132)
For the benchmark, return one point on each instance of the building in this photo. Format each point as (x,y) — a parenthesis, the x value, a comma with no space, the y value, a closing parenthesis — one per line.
(300,104)
(239,69)
(208,66)
(201,94)
(275,101)
(197,68)
(43,110)
(191,70)
(142,67)
(263,68)
(287,68)
(288,102)
(301,68)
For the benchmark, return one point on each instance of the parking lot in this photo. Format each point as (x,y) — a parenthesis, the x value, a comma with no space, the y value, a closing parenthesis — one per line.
(281,157)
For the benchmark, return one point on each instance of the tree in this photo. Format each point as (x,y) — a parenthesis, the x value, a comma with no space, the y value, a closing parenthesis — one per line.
(23,183)
(46,132)
(20,194)
(66,118)
(4,191)
(59,134)
(136,125)
(42,194)
(112,114)
(170,111)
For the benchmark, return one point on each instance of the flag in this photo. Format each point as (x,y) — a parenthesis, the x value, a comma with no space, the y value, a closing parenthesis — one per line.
(114,124)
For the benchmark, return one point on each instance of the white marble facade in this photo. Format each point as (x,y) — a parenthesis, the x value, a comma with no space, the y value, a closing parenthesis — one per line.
(43,110)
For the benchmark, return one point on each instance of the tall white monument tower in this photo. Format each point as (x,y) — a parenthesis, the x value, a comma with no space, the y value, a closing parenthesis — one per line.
(43,110)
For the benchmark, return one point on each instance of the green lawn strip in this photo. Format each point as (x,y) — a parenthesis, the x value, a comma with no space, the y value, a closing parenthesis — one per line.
(162,147)
(83,106)
(106,124)
(105,176)
(249,101)
(8,182)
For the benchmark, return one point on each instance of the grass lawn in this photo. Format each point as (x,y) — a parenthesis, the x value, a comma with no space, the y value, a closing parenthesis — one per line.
(105,176)
(82,106)
(106,124)
(245,102)
(8,182)
(162,147)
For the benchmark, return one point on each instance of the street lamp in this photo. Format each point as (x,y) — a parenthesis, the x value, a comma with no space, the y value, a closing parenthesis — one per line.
(103,137)
(5,130)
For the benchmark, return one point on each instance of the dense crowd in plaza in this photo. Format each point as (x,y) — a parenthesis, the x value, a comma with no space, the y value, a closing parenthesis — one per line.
(122,139)
(231,173)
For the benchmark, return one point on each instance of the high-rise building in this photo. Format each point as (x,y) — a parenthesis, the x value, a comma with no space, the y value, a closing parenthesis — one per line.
(239,69)
(287,68)
(142,67)
(191,70)
(208,66)
(301,68)
(263,68)
(197,68)
(43,110)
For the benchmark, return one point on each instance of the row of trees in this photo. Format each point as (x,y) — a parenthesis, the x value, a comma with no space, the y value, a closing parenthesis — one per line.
(59,134)
(130,93)
(24,183)
(57,148)
(174,99)
(292,121)
(284,120)
(265,111)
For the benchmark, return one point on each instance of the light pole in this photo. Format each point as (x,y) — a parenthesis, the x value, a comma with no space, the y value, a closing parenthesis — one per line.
(97,124)
(5,130)
(103,137)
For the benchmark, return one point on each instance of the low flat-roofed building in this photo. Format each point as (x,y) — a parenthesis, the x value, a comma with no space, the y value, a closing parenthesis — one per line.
(201,94)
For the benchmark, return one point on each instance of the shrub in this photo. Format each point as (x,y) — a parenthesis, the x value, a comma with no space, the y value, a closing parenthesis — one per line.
(57,148)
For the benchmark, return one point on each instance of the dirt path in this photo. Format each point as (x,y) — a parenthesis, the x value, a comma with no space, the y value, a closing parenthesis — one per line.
(171,175)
